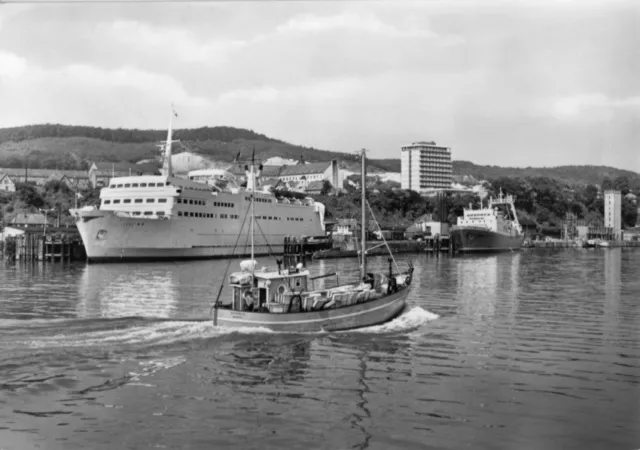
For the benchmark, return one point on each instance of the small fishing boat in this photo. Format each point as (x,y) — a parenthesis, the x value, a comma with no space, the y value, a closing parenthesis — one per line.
(285,298)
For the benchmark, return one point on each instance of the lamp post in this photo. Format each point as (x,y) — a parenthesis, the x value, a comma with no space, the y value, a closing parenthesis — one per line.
(45,212)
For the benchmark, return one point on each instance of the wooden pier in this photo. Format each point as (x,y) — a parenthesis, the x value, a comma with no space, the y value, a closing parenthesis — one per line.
(38,246)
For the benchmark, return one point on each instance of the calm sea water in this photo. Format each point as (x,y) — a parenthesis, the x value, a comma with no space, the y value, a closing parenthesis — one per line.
(529,350)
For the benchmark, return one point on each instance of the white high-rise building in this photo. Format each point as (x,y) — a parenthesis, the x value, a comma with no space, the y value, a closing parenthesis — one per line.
(613,211)
(426,167)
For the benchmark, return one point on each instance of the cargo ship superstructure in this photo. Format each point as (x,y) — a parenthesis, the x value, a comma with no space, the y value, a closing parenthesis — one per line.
(491,229)
(163,217)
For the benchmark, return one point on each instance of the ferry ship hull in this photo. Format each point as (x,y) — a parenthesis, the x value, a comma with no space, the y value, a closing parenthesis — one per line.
(477,240)
(109,237)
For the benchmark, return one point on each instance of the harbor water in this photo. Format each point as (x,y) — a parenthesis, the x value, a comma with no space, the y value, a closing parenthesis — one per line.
(537,349)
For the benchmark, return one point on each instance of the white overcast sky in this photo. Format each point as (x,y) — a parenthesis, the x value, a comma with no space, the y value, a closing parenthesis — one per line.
(517,83)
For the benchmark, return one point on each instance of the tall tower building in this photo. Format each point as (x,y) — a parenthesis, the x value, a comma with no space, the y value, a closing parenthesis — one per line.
(613,211)
(425,167)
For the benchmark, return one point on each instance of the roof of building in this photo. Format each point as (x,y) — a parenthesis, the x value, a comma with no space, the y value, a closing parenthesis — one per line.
(124,167)
(270,182)
(315,186)
(42,173)
(29,219)
(304,169)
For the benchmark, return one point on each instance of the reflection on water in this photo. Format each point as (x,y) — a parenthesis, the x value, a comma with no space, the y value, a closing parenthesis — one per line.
(485,281)
(536,349)
(128,294)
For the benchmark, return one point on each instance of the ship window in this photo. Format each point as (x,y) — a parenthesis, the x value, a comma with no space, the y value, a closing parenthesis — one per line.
(116,201)
(106,202)
(143,184)
(127,185)
(151,200)
(148,213)
(191,202)
(179,200)
(138,200)
(160,213)
(152,184)
(162,200)
(134,185)
(159,184)
(126,200)
(136,213)
(119,186)
(179,213)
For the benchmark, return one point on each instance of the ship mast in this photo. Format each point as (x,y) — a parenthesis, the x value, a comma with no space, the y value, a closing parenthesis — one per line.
(253,206)
(363,185)
(167,169)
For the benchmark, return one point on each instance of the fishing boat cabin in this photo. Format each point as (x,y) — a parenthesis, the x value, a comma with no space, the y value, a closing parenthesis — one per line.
(291,290)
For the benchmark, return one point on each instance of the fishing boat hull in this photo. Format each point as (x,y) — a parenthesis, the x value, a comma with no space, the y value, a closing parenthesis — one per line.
(345,318)
(477,240)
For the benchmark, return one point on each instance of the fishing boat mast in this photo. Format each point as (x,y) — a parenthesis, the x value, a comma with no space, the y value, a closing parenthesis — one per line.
(253,207)
(363,185)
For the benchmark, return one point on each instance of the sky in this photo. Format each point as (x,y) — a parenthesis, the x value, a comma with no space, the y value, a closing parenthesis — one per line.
(508,83)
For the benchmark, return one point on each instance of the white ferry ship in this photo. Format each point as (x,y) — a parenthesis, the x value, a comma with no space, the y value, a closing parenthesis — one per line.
(166,217)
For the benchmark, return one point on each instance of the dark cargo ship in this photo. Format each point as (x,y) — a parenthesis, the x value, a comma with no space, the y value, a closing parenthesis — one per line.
(491,229)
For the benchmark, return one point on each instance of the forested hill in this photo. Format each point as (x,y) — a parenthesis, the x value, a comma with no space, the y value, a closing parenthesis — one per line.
(223,134)
(70,147)
(570,175)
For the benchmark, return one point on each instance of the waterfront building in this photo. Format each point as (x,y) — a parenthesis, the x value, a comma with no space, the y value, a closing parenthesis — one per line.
(426,167)
(613,212)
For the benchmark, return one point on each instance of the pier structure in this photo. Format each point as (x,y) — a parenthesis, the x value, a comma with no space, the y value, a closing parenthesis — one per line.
(52,245)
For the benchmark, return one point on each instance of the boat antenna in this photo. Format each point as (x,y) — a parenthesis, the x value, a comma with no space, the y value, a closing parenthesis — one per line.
(363,187)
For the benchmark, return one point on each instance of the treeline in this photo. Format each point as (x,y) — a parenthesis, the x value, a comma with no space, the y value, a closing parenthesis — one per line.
(224,134)
(542,200)
(571,175)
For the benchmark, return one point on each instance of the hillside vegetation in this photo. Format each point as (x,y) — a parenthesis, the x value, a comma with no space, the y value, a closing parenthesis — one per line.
(570,175)
(71,147)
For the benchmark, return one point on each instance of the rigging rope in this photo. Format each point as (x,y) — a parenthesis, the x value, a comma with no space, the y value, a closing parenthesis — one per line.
(224,277)
(271,253)
(382,236)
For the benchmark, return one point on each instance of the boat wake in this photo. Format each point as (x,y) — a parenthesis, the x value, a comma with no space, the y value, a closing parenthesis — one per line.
(409,320)
(147,333)
(119,333)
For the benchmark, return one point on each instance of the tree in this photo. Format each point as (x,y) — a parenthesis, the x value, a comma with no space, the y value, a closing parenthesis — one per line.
(621,184)
(326,187)
(607,184)
(29,195)
(629,214)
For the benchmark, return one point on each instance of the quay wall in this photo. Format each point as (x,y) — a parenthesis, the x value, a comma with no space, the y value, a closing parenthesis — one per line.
(574,244)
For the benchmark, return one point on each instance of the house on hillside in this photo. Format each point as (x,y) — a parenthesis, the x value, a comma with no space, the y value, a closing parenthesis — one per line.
(6,183)
(24,220)
(74,178)
(268,184)
(298,176)
(100,173)
(308,173)
(315,187)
